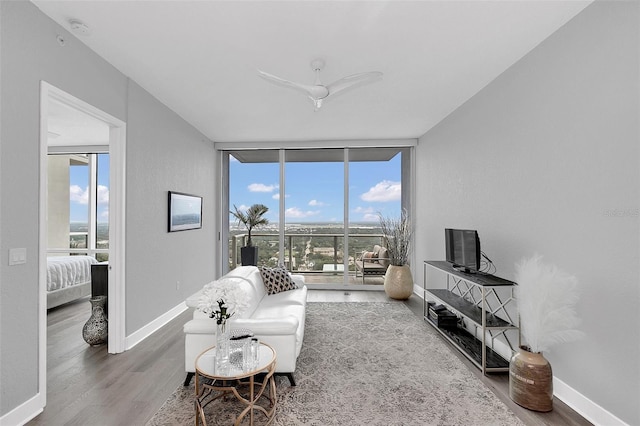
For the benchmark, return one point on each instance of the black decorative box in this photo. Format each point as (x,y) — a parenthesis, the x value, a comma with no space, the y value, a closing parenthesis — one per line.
(442,317)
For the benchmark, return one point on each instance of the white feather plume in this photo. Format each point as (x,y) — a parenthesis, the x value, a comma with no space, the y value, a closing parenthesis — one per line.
(546,298)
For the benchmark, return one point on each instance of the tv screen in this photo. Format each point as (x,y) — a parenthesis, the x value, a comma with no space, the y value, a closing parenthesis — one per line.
(463,249)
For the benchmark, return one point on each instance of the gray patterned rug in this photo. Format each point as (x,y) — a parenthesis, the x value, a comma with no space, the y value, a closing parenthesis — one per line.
(368,364)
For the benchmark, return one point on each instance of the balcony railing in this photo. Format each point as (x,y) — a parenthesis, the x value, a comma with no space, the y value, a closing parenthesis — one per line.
(78,242)
(306,253)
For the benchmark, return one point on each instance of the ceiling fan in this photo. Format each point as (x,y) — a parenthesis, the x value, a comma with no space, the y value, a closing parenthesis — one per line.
(318,92)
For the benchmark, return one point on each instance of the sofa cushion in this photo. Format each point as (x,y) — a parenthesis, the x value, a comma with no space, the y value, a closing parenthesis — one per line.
(277,280)
(369,256)
(248,277)
(383,257)
(275,312)
(293,297)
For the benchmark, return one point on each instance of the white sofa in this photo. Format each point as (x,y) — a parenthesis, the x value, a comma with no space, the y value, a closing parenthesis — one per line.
(276,319)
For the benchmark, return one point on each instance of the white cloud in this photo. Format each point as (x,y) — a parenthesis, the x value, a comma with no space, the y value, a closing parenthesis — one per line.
(241,207)
(370,217)
(365,210)
(295,212)
(103,194)
(81,196)
(276,196)
(78,194)
(383,191)
(316,203)
(261,187)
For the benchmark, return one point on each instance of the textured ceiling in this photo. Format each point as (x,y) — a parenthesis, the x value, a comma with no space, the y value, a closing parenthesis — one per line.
(200,58)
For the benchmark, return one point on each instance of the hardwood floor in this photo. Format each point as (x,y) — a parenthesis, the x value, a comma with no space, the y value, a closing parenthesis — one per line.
(88,386)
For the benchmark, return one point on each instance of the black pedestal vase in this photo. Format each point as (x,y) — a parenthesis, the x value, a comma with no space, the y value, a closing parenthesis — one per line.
(249,255)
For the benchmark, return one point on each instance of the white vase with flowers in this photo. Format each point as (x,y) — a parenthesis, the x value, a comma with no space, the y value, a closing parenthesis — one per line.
(221,300)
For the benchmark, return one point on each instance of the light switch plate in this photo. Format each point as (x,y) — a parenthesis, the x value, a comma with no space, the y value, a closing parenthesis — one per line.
(17,256)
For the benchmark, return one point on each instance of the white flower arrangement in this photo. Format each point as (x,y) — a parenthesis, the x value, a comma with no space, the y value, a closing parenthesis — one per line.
(221,299)
(546,297)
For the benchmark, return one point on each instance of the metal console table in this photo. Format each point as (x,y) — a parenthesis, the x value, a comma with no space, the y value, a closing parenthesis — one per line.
(474,298)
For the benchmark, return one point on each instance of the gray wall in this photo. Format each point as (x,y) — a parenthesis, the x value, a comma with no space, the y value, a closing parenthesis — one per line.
(164,154)
(545,159)
(160,145)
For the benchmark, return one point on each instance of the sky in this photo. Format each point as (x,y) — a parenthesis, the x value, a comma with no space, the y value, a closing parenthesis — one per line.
(314,191)
(79,191)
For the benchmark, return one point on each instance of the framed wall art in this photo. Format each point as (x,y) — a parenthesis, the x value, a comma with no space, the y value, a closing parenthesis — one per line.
(185,211)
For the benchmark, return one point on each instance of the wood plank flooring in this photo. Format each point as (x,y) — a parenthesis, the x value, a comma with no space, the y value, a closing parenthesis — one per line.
(88,386)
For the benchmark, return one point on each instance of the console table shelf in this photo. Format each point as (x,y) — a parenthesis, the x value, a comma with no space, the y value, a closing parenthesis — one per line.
(474,297)
(468,309)
(472,347)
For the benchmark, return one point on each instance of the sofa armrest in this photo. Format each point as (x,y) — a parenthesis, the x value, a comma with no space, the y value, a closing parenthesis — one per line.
(200,326)
(263,326)
(268,326)
(192,301)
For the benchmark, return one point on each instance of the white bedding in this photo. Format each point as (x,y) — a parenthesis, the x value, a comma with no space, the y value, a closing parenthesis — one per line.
(68,271)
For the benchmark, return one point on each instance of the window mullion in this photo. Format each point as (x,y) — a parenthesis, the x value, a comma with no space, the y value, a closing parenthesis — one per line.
(93,204)
(281,216)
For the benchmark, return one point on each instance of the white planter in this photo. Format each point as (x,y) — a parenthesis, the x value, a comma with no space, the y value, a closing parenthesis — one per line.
(398,282)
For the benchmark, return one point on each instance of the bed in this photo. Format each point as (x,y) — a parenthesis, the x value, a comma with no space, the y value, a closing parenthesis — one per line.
(68,278)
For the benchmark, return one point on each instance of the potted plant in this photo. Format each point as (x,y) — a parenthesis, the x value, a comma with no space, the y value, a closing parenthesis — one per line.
(251,218)
(397,233)
(546,298)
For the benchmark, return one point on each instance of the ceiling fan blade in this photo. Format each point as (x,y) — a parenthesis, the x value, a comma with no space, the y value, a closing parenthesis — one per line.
(308,89)
(353,80)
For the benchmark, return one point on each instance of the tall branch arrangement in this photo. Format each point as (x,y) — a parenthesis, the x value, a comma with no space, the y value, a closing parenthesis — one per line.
(546,299)
(252,218)
(397,234)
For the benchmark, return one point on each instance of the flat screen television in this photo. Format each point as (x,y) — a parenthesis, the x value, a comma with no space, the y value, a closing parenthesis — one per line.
(463,249)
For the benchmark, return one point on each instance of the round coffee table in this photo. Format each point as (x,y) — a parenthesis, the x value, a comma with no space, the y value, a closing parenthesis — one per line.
(254,387)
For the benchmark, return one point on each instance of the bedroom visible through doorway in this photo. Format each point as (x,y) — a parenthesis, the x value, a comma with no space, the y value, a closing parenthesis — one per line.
(75,134)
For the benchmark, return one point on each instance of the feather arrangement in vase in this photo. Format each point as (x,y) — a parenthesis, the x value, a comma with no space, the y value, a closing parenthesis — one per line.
(546,298)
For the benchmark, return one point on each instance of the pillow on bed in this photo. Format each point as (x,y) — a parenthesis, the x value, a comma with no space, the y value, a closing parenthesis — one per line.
(277,279)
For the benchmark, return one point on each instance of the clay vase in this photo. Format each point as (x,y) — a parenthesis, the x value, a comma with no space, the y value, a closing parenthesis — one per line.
(398,282)
(531,380)
(96,329)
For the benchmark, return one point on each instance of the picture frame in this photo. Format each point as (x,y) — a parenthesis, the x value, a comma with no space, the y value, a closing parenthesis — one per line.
(185,211)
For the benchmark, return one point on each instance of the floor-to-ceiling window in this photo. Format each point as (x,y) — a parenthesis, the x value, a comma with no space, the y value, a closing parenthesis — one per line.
(311,194)
(375,190)
(78,204)
(314,213)
(254,178)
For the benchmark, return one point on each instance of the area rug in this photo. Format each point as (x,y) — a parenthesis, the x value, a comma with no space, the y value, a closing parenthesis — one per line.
(367,364)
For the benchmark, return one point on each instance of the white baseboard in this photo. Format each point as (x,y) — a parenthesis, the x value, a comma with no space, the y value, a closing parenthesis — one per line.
(147,330)
(584,406)
(574,399)
(24,412)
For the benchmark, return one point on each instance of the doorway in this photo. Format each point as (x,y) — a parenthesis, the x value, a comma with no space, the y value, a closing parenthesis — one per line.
(83,116)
